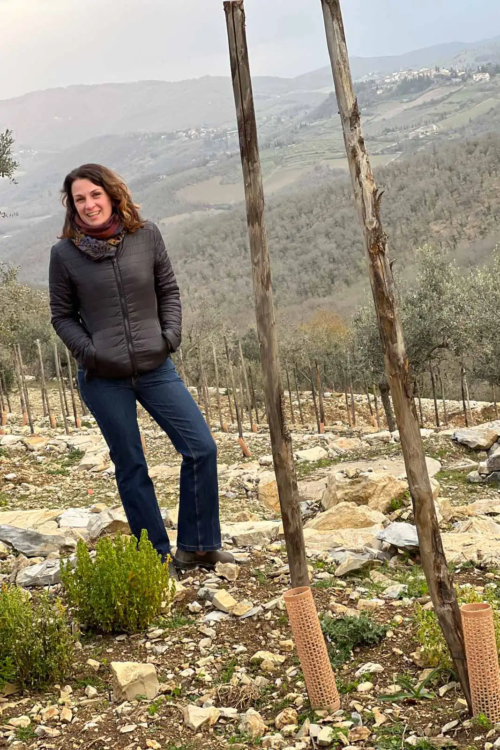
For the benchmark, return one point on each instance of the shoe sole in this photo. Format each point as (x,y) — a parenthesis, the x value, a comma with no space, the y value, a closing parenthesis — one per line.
(192,565)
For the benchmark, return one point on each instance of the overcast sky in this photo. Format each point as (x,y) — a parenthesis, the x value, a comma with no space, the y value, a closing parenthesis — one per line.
(47,43)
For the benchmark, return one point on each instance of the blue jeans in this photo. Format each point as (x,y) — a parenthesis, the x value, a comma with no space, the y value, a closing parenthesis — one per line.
(112,401)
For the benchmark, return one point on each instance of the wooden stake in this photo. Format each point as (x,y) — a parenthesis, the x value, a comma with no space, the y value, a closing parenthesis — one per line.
(368,203)
(63,387)
(464,404)
(264,306)
(223,426)
(353,405)
(25,390)
(52,420)
(20,388)
(183,369)
(445,410)
(367,394)
(298,396)
(3,417)
(319,386)
(347,405)
(229,396)
(6,392)
(471,418)
(289,392)
(247,388)
(204,389)
(315,404)
(60,388)
(254,399)
(241,442)
(375,399)
(434,396)
(72,390)
(242,396)
(495,401)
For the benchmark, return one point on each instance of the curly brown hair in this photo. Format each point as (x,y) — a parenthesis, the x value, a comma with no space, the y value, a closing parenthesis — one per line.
(113,185)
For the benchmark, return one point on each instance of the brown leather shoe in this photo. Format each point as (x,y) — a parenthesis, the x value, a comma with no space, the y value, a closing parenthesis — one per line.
(190,560)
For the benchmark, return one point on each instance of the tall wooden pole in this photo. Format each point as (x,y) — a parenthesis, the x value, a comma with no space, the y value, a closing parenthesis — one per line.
(319,386)
(289,393)
(60,388)
(298,395)
(223,426)
(368,201)
(6,391)
(52,420)
(25,389)
(229,396)
(72,390)
(264,306)
(254,397)
(241,442)
(434,395)
(204,389)
(247,388)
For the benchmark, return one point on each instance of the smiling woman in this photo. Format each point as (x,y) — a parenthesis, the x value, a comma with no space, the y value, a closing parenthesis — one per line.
(116,305)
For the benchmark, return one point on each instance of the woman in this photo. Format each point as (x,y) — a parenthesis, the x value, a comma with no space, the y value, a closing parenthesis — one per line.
(116,305)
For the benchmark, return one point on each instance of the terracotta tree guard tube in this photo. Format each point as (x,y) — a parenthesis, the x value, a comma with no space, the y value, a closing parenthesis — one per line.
(311,649)
(482,659)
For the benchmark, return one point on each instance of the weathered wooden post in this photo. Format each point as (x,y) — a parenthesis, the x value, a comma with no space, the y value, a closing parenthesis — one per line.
(241,442)
(183,369)
(223,425)
(434,395)
(464,403)
(247,389)
(289,393)
(63,386)
(319,386)
(60,388)
(298,395)
(264,306)
(315,403)
(375,399)
(52,420)
(204,389)
(3,409)
(72,390)
(254,397)
(6,391)
(494,394)
(443,397)
(229,396)
(25,389)
(368,201)
(19,387)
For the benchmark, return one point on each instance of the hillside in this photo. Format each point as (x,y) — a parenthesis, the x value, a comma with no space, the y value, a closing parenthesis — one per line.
(448,195)
(57,118)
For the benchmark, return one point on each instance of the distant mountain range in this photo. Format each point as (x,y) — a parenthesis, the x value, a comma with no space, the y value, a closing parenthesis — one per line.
(58,118)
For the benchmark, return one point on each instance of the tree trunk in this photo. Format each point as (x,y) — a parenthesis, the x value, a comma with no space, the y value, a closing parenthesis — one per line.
(443,396)
(434,396)
(264,307)
(385,396)
(368,201)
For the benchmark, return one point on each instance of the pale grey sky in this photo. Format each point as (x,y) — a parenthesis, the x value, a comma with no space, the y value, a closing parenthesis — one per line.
(48,43)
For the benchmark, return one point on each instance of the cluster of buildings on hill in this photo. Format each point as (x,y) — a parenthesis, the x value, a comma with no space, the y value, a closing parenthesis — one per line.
(451,75)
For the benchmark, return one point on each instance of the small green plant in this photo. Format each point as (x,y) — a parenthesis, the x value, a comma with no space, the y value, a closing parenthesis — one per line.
(228,671)
(176,621)
(36,644)
(345,633)
(260,576)
(482,721)
(396,504)
(155,706)
(430,637)
(122,590)
(411,691)
(24,734)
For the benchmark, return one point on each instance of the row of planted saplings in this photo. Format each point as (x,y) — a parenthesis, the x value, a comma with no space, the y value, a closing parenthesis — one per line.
(47,406)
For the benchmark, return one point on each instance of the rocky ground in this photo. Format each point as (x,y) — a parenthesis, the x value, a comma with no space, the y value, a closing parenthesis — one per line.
(220,667)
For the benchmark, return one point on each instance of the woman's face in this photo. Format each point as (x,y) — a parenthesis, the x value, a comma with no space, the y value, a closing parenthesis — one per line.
(92,202)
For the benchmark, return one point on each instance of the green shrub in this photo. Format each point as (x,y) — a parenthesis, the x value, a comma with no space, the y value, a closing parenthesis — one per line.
(434,649)
(36,644)
(122,589)
(345,633)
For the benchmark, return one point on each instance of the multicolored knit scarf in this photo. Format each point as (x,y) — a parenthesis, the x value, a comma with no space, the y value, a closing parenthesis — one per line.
(99,242)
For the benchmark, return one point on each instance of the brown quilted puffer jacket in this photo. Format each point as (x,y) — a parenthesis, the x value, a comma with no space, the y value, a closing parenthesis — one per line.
(119,316)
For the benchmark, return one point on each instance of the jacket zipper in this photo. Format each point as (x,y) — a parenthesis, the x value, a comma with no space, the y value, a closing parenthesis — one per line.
(126,319)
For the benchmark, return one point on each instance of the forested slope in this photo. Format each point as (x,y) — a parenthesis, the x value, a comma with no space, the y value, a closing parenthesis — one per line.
(448,196)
